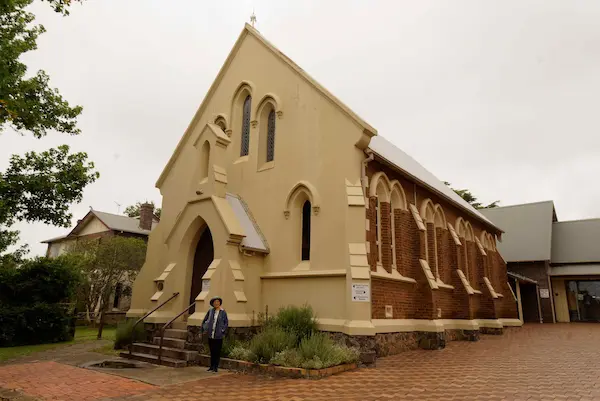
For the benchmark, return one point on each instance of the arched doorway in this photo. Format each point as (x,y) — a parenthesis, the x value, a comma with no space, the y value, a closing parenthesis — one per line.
(202,259)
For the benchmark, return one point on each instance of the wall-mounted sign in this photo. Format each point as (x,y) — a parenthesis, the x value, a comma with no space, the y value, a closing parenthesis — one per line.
(361,293)
(544,293)
(389,311)
(205,285)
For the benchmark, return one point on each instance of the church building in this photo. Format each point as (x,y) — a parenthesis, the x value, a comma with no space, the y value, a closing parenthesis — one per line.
(279,194)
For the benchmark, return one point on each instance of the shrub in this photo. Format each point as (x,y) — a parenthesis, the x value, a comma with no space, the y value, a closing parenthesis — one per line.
(229,343)
(269,342)
(127,335)
(299,321)
(318,351)
(40,280)
(290,358)
(241,353)
(34,324)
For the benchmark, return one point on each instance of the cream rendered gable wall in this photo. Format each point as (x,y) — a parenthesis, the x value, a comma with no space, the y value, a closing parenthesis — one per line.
(93,227)
(315,143)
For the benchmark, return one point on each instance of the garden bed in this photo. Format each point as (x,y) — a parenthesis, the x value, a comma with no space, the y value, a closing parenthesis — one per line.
(274,370)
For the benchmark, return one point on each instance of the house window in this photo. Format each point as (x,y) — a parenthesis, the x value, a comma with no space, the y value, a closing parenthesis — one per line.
(118,291)
(246,126)
(306,211)
(271,137)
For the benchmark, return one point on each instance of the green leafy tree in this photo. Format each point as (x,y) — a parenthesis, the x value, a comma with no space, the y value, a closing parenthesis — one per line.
(104,263)
(29,103)
(472,200)
(134,210)
(38,187)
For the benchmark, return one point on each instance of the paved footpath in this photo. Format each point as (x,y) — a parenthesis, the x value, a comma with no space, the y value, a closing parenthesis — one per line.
(537,362)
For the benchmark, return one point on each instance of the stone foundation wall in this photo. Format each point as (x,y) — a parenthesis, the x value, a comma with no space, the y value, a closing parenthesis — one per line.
(490,330)
(385,344)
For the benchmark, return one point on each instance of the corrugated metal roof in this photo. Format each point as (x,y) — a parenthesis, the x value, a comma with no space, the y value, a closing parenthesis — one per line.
(394,155)
(254,239)
(122,223)
(528,230)
(55,239)
(576,241)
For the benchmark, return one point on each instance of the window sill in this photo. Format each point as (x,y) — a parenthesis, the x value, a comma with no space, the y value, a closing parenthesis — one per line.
(393,276)
(242,159)
(267,166)
(443,285)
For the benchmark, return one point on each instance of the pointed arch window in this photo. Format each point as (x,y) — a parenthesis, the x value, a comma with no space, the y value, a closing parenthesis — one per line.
(246,126)
(306,210)
(271,137)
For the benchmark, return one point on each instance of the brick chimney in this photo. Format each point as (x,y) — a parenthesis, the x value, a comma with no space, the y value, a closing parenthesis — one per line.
(146,216)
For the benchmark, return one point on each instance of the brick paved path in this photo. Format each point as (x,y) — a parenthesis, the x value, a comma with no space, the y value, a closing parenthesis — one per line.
(56,381)
(536,362)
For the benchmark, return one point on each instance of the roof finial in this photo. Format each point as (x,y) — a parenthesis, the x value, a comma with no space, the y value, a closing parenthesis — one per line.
(253,18)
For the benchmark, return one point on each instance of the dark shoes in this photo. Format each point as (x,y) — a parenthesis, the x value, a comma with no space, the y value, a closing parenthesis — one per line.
(214,370)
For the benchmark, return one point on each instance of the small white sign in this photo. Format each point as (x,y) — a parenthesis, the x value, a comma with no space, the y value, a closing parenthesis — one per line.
(205,285)
(389,311)
(361,293)
(544,293)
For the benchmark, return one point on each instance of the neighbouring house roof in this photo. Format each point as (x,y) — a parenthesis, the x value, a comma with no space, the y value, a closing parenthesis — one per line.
(249,30)
(112,222)
(576,241)
(520,277)
(122,223)
(401,160)
(254,239)
(55,239)
(528,230)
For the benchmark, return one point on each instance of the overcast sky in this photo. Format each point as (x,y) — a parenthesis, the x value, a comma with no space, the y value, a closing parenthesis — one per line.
(500,97)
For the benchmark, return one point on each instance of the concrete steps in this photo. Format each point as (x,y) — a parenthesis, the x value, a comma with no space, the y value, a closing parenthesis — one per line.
(173,363)
(173,353)
(170,342)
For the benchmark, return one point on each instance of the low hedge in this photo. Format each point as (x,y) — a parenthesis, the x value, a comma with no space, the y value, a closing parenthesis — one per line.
(35,324)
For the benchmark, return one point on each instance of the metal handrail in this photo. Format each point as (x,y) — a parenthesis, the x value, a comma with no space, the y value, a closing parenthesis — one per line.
(162,331)
(148,314)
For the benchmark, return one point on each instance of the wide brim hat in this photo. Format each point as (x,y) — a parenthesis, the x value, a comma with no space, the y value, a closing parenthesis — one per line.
(213,299)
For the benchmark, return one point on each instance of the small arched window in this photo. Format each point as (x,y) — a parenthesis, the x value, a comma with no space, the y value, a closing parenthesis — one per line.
(220,121)
(271,137)
(306,211)
(204,160)
(245,146)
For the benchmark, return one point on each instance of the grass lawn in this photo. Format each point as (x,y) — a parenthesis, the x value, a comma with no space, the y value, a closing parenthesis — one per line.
(82,334)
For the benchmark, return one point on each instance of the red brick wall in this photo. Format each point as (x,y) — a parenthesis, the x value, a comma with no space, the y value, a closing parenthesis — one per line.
(372,233)
(419,301)
(386,236)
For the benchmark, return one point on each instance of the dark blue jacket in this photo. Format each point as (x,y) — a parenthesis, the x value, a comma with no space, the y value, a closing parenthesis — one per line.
(222,323)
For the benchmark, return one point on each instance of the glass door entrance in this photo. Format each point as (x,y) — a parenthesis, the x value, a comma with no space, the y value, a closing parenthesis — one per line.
(583,299)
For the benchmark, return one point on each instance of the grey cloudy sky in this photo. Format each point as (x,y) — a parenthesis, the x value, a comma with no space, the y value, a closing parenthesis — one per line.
(500,97)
